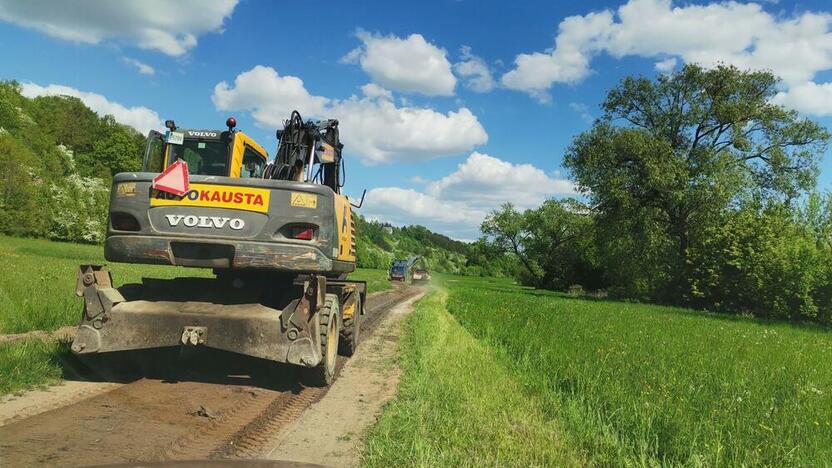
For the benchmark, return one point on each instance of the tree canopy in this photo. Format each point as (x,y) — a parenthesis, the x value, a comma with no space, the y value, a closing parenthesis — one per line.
(700,191)
(674,153)
(57,158)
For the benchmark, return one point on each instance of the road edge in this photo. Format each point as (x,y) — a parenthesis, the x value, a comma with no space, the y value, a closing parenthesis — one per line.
(330,432)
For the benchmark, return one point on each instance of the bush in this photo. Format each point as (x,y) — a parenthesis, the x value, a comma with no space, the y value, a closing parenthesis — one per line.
(78,210)
(576,290)
(764,260)
(20,212)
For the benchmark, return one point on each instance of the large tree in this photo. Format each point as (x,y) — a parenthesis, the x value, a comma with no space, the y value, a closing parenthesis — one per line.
(119,148)
(551,242)
(670,154)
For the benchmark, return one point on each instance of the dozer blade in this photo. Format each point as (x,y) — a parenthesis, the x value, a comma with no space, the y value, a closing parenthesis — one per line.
(112,323)
(250,329)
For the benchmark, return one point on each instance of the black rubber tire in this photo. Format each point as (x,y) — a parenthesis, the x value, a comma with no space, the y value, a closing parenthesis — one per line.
(351,330)
(324,373)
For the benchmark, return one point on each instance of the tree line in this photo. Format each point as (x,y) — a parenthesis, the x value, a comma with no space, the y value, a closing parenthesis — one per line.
(57,159)
(696,190)
(378,244)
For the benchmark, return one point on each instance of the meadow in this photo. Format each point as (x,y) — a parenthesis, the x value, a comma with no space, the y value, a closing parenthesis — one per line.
(458,405)
(616,383)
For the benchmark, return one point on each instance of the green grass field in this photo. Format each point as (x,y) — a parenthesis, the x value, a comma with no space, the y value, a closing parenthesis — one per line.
(376,279)
(458,405)
(37,281)
(31,363)
(617,383)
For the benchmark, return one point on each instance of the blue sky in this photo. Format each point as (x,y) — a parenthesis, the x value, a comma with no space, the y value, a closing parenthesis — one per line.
(448,108)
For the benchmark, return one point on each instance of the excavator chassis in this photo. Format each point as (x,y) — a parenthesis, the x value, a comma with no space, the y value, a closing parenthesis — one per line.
(202,315)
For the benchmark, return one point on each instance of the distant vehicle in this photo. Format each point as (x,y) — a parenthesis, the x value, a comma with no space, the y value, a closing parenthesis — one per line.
(399,271)
(402,269)
(420,274)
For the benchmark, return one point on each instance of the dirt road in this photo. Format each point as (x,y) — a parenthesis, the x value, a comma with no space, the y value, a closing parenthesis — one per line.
(329,432)
(212,406)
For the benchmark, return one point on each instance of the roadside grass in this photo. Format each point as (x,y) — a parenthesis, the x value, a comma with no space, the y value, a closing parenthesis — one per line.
(376,279)
(457,405)
(629,384)
(37,281)
(30,363)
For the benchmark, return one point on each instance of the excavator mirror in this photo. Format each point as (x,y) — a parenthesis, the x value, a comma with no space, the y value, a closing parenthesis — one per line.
(361,203)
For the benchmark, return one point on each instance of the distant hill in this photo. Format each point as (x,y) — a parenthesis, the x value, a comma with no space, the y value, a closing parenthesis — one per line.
(379,243)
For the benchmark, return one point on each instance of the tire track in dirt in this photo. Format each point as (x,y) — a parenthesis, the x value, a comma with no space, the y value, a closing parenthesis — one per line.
(329,431)
(250,441)
(180,417)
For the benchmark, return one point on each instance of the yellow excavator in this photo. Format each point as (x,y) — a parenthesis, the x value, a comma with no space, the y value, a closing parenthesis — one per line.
(279,237)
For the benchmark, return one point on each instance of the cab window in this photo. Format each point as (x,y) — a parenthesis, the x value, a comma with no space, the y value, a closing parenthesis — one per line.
(207,157)
(253,164)
(154,153)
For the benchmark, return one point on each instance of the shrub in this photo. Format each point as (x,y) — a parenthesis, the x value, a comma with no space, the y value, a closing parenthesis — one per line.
(576,290)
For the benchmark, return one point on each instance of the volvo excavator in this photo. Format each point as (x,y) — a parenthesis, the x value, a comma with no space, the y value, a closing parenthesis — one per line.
(279,237)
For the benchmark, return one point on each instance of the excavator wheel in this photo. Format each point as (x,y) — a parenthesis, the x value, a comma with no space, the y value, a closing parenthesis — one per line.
(324,373)
(350,331)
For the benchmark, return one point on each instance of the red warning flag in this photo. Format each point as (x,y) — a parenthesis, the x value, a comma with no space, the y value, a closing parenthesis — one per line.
(174,179)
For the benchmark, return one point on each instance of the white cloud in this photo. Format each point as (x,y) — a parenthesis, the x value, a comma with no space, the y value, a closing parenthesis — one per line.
(373,126)
(169,27)
(457,203)
(794,47)
(140,67)
(380,132)
(578,38)
(666,65)
(372,90)
(811,98)
(268,96)
(410,65)
(406,206)
(582,110)
(475,71)
(484,182)
(743,34)
(140,118)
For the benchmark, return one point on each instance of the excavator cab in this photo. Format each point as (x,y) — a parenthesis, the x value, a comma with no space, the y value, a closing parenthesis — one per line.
(228,153)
